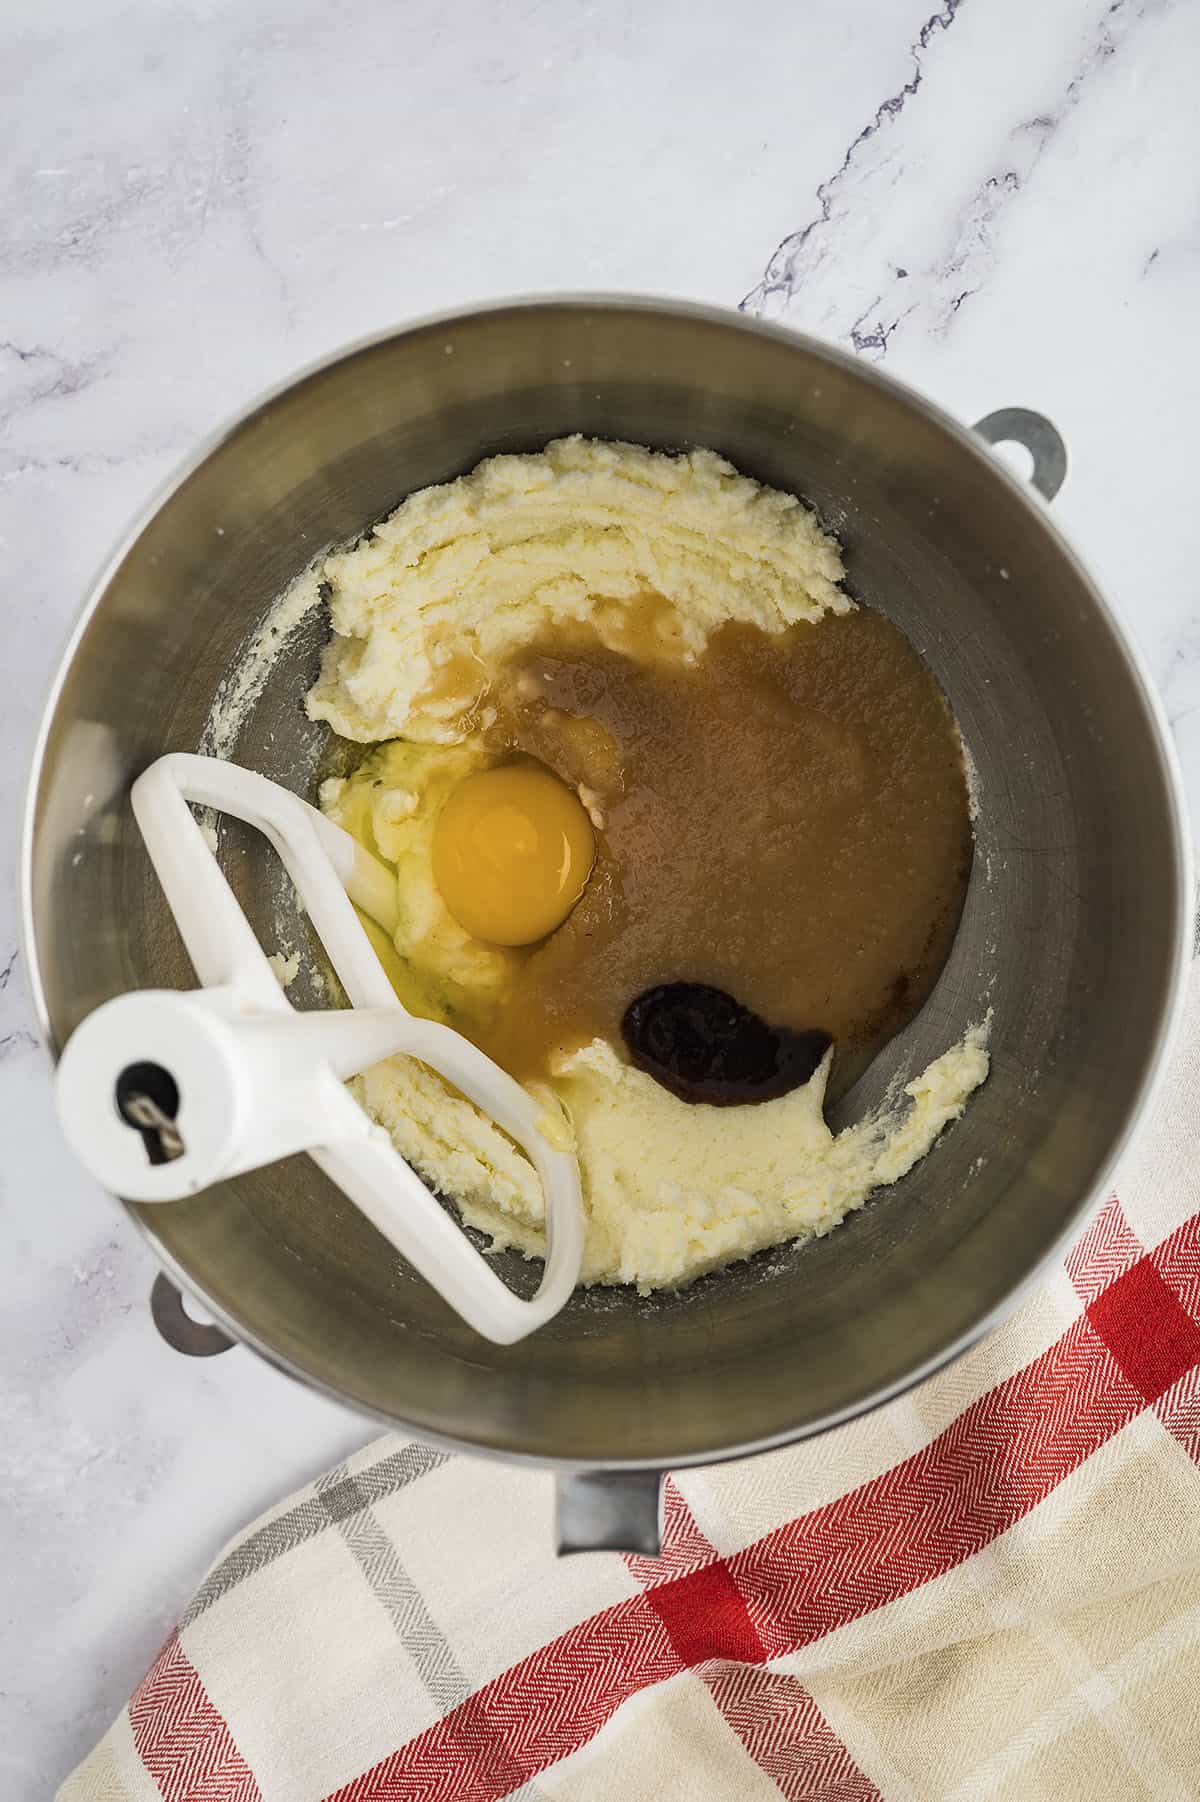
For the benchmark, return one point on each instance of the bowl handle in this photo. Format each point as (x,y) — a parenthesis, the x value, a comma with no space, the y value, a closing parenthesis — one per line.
(1041,438)
(193,1338)
(609,1511)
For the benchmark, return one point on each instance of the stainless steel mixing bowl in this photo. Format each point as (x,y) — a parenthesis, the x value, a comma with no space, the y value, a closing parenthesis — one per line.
(1074,932)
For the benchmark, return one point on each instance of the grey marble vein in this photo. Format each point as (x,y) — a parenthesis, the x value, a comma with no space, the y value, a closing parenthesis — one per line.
(965,269)
(929,283)
(782,272)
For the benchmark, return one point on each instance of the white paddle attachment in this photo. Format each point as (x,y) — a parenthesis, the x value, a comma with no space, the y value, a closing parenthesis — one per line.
(163,1092)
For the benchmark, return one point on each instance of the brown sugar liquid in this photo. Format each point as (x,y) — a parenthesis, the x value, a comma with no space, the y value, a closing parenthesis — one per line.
(784,820)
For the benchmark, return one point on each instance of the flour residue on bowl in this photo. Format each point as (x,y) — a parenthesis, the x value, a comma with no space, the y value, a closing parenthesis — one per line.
(242,687)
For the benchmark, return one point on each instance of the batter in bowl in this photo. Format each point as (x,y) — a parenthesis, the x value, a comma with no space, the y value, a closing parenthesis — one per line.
(756,800)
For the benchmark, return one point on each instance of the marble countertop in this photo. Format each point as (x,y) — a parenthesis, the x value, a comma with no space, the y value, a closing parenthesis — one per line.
(998,201)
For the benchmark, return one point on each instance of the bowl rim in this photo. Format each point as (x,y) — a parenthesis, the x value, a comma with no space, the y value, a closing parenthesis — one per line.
(1181,874)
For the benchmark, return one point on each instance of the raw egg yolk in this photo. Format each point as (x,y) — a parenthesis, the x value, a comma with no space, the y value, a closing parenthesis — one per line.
(512,851)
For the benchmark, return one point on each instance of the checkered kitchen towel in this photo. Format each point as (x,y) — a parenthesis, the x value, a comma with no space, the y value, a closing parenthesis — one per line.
(989,1588)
